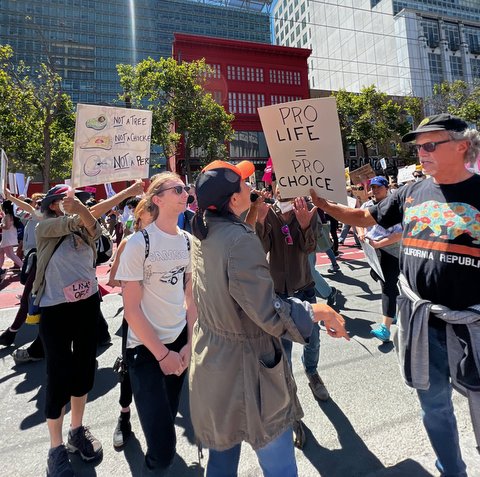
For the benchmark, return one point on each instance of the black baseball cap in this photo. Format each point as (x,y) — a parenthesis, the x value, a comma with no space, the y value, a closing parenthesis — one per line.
(218,181)
(437,122)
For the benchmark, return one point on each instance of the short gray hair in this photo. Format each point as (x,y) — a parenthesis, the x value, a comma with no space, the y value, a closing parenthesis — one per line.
(473,137)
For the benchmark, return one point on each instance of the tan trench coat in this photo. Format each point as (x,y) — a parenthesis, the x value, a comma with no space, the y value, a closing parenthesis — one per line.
(241,385)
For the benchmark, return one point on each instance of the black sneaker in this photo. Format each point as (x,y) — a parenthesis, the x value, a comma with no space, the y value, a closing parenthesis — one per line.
(332,298)
(82,441)
(122,431)
(7,337)
(58,464)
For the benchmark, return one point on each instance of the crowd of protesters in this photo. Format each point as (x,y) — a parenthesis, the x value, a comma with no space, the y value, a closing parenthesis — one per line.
(218,281)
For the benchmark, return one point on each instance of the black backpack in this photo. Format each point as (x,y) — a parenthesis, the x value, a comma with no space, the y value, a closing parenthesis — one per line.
(104,247)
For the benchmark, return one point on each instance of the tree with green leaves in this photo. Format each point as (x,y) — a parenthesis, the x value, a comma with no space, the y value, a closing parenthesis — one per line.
(37,120)
(175,94)
(457,98)
(372,118)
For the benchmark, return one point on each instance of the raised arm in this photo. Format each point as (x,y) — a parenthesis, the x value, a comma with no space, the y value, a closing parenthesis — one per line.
(346,215)
(103,207)
(20,203)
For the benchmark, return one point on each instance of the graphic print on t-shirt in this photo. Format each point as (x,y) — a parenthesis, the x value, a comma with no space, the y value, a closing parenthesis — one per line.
(172,276)
(433,226)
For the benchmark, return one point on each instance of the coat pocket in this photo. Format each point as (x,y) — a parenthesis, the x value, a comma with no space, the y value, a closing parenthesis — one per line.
(274,393)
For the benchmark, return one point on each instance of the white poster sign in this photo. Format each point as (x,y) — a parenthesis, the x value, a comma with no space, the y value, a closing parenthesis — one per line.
(111,144)
(304,141)
(12,183)
(3,172)
(109,190)
(20,180)
(405,174)
(27,184)
(372,258)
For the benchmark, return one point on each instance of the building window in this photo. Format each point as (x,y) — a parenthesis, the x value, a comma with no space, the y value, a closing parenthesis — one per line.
(245,73)
(456,67)
(473,39)
(285,77)
(432,32)
(245,103)
(436,71)
(216,71)
(452,35)
(276,99)
(475,65)
(248,144)
(352,150)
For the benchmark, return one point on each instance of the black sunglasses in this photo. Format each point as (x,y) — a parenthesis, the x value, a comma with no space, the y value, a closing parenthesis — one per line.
(429,146)
(178,189)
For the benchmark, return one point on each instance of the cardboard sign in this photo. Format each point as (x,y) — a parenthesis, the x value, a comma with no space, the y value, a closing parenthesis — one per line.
(3,172)
(305,145)
(362,174)
(372,258)
(111,144)
(405,174)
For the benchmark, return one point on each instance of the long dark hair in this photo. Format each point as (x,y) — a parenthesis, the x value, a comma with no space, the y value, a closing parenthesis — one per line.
(200,219)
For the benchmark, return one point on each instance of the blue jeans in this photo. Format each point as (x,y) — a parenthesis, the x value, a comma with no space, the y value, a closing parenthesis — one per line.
(157,399)
(437,409)
(311,351)
(276,459)
(331,256)
(322,288)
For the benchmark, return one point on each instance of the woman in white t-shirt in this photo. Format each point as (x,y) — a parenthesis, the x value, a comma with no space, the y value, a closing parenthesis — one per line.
(155,272)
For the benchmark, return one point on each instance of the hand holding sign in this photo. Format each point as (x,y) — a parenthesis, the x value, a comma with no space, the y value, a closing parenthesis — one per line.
(70,204)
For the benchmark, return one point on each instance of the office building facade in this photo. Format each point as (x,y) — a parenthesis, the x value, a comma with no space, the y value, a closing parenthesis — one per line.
(403,47)
(86,39)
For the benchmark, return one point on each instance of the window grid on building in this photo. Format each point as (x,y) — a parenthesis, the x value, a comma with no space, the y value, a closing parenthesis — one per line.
(276,99)
(436,70)
(245,73)
(432,32)
(475,66)
(216,71)
(285,77)
(456,67)
(452,34)
(245,103)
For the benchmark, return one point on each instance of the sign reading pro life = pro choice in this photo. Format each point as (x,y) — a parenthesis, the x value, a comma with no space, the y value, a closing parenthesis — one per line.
(111,144)
(304,141)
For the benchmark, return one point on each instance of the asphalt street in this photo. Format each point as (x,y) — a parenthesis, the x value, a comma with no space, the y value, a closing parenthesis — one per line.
(370,427)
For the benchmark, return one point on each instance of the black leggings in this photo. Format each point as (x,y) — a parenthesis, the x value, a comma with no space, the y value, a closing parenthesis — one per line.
(69,336)
(391,269)
(125,385)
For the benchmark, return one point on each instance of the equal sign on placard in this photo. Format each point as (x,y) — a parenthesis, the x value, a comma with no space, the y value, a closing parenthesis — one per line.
(300,153)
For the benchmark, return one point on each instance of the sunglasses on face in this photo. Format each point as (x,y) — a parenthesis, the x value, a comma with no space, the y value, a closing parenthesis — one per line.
(286,231)
(429,146)
(178,189)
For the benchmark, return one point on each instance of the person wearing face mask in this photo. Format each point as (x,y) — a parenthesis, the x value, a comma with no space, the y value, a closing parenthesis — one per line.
(418,175)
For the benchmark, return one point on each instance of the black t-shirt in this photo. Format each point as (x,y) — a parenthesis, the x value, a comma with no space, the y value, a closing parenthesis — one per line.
(440,250)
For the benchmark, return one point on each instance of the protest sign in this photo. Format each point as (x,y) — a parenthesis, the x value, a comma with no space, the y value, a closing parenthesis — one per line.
(20,180)
(3,172)
(111,144)
(362,174)
(12,183)
(305,145)
(405,174)
(372,258)
(109,190)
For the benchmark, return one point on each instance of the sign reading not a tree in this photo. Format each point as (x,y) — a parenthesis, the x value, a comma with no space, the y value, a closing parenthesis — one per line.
(111,144)
(305,145)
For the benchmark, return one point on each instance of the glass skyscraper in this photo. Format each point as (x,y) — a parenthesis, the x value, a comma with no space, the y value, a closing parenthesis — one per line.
(404,47)
(86,39)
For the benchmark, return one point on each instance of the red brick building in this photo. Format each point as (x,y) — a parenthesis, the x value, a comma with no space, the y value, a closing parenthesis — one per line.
(246,76)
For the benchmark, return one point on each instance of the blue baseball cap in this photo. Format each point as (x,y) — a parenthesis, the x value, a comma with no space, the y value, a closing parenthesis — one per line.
(379,181)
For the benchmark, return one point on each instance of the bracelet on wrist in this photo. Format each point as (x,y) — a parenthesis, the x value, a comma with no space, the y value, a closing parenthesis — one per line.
(160,360)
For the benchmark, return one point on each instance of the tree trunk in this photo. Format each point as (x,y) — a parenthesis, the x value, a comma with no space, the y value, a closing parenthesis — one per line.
(365,152)
(47,146)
